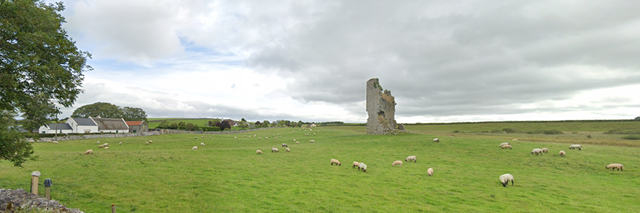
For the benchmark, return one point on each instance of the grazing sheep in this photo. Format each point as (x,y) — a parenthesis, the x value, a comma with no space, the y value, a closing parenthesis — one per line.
(562,153)
(147,143)
(266,138)
(105,144)
(545,150)
(356,164)
(90,151)
(505,143)
(504,179)
(506,146)
(101,146)
(312,141)
(397,163)
(337,162)
(287,149)
(430,171)
(258,151)
(576,146)
(209,137)
(437,140)
(202,136)
(201,144)
(97,142)
(294,139)
(235,137)
(150,141)
(297,142)
(284,145)
(194,148)
(106,147)
(362,167)
(411,158)
(120,143)
(55,142)
(536,151)
(615,166)
(275,150)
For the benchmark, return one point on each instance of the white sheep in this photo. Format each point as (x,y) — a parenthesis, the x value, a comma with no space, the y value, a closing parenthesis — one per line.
(297,142)
(150,141)
(615,166)
(504,179)
(576,146)
(101,146)
(545,150)
(436,140)
(146,143)
(194,148)
(562,153)
(284,145)
(362,167)
(90,151)
(337,162)
(195,137)
(105,144)
(397,163)
(514,139)
(536,151)
(55,142)
(312,141)
(258,151)
(120,143)
(106,147)
(294,139)
(287,149)
(506,146)
(266,138)
(275,150)
(235,137)
(430,171)
(201,144)
(411,158)
(505,143)
(356,164)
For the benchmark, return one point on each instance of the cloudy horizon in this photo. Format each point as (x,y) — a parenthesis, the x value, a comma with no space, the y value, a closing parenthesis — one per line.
(444,61)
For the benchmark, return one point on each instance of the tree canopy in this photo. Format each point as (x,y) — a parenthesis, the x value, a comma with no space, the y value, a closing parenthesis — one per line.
(108,110)
(40,66)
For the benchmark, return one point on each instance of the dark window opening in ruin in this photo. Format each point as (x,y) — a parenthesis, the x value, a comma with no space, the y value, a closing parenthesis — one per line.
(381,114)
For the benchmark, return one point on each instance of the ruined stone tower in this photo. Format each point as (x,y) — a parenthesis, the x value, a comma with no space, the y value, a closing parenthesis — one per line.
(381,107)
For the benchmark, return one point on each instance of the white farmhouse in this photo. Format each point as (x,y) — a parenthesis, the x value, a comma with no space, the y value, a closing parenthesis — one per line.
(53,127)
(82,125)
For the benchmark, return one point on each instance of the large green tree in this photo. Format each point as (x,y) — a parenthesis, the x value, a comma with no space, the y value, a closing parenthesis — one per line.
(134,114)
(102,109)
(108,110)
(40,66)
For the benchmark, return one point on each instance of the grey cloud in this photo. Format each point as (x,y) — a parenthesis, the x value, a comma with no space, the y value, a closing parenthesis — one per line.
(472,60)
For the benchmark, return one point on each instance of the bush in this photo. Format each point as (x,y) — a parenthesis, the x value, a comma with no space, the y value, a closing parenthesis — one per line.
(496,131)
(552,132)
(213,128)
(632,137)
(509,130)
(456,131)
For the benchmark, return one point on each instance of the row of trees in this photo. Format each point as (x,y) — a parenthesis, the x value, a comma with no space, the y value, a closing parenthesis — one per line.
(108,110)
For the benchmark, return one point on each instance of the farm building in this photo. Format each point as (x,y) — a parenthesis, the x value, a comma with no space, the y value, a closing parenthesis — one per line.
(138,126)
(111,125)
(53,127)
(82,125)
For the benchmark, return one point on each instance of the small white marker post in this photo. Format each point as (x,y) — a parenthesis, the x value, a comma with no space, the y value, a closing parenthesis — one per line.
(34,182)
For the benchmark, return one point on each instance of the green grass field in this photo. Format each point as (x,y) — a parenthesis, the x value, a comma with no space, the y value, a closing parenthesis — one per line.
(227,176)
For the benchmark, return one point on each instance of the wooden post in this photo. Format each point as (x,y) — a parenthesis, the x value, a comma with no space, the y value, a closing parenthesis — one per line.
(34,182)
(113,208)
(47,188)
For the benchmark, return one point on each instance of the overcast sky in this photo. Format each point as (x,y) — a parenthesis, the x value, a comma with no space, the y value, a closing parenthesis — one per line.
(444,61)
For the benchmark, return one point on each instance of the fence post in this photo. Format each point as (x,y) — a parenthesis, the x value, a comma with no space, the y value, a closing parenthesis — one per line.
(34,182)
(113,208)
(47,188)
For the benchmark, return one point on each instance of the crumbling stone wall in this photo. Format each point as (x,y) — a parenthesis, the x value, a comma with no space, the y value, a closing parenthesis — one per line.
(381,107)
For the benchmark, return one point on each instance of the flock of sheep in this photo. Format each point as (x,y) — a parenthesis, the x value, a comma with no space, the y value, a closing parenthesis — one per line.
(504,179)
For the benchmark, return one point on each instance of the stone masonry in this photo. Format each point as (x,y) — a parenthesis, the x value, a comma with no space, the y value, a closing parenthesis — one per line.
(381,107)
